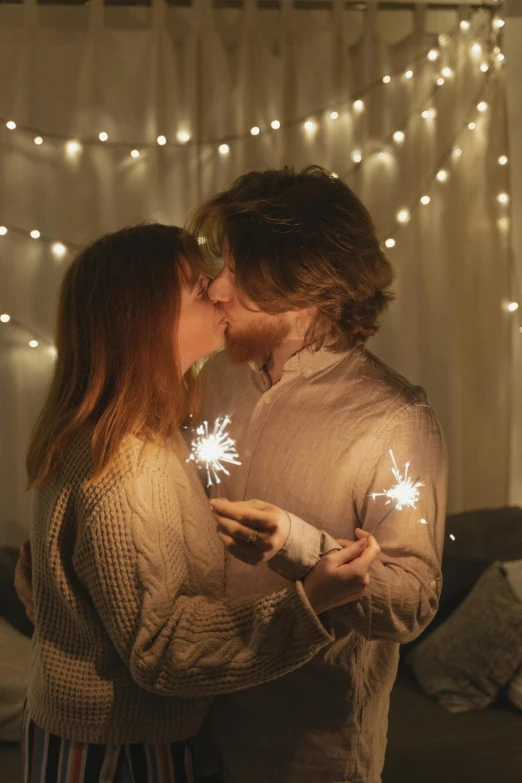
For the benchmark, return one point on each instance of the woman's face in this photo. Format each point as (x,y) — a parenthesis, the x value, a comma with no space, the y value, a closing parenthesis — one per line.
(201,326)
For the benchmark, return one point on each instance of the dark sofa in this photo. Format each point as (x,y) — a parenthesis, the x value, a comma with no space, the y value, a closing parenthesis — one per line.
(426,744)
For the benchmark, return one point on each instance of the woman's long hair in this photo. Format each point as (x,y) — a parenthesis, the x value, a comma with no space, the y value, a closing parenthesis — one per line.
(117,368)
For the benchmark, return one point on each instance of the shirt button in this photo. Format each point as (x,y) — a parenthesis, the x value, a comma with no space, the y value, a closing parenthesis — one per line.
(434,584)
(268,400)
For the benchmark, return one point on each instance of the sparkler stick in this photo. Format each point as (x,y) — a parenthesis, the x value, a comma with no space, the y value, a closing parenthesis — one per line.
(211,449)
(404,494)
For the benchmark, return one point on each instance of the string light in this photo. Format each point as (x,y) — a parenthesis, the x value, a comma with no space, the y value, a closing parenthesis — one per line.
(3,231)
(59,249)
(11,125)
(447,72)
(73,147)
(183,136)
(334,115)
(464,25)
(512,307)
(499,23)
(135,153)
(428,114)
(35,234)
(275,124)
(482,106)
(503,160)
(442,175)
(399,136)
(4,318)
(403,216)
(390,242)
(476,48)
(425,200)
(224,149)
(254,131)
(408,74)
(162,140)
(103,136)
(484,67)
(358,105)
(356,157)
(457,152)
(440,81)
(500,57)
(472,125)
(503,198)
(433,55)
(38,140)
(310,126)
(33,343)
(386,79)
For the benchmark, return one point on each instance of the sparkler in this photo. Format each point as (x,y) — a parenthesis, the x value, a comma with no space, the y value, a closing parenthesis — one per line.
(211,449)
(404,494)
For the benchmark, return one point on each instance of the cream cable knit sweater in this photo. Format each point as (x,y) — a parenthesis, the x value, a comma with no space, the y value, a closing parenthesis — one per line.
(133,636)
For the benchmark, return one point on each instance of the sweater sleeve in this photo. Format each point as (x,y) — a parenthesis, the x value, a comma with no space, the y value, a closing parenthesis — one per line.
(406,578)
(132,559)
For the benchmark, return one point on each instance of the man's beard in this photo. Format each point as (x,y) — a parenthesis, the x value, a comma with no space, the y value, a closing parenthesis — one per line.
(257,342)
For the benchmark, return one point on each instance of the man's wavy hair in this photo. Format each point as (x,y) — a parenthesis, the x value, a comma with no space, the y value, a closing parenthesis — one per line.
(299,240)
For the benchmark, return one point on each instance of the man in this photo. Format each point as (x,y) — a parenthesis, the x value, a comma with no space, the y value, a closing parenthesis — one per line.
(320,423)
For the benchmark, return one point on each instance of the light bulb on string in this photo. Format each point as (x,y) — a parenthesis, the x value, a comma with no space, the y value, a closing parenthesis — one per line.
(503,160)
(224,149)
(403,216)
(38,140)
(484,67)
(386,79)
(73,148)
(464,25)
(447,72)
(500,57)
(310,126)
(390,242)
(334,115)
(103,136)
(408,74)
(33,343)
(358,105)
(499,23)
(335,175)
(457,152)
(428,114)
(442,175)
(59,249)
(512,307)
(399,136)
(4,318)
(503,198)
(356,156)
(35,234)
(440,81)
(183,136)
(425,200)
(11,125)
(433,55)
(476,48)
(275,124)
(3,231)
(482,106)
(162,140)
(254,131)
(135,154)
(472,125)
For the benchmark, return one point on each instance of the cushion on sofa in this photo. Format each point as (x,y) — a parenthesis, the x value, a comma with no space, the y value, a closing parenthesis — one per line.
(465,662)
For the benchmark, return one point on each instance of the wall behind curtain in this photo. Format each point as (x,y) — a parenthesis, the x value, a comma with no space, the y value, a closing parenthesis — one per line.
(218,72)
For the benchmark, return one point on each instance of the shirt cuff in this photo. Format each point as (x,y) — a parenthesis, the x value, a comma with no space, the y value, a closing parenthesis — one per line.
(304,547)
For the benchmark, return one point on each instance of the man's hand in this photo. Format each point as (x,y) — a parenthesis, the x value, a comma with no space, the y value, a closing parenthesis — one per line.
(23,580)
(252,531)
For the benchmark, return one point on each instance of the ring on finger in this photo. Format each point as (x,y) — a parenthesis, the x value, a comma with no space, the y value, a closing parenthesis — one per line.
(252,537)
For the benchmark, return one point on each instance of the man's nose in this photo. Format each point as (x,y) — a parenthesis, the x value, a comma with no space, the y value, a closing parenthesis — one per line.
(218,291)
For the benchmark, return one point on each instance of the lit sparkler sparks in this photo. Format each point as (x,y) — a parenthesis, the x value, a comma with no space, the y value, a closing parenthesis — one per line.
(211,449)
(405,493)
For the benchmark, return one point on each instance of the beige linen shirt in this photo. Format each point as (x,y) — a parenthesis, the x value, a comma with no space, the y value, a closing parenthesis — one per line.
(317,444)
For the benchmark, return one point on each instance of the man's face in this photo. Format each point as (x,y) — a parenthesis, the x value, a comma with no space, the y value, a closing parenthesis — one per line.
(250,334)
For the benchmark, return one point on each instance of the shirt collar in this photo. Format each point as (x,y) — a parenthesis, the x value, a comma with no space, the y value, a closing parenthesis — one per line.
(309,362)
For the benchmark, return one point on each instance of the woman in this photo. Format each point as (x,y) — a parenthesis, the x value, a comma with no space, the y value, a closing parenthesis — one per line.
(128,569)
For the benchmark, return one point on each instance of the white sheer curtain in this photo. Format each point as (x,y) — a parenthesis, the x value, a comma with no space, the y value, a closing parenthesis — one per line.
(215,73)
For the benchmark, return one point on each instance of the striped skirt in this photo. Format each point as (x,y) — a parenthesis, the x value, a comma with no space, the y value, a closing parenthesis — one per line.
(51,759)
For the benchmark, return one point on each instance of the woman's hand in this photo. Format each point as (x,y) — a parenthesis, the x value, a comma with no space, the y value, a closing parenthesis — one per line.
(23,583)
(343,576)
(252,531)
